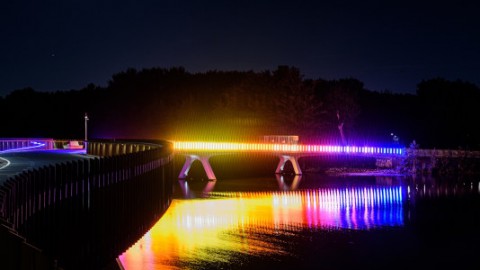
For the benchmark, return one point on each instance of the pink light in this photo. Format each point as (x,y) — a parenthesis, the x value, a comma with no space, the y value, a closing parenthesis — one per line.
(282,148)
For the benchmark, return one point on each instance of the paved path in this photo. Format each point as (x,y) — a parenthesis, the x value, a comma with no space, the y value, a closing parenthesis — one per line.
(20,161)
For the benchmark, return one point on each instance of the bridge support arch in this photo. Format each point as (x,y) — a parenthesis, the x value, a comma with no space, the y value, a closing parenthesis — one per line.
(204,159)
(293,159)
(206,166)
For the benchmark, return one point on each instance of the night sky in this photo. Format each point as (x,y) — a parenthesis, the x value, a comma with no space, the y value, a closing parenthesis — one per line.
(62,45)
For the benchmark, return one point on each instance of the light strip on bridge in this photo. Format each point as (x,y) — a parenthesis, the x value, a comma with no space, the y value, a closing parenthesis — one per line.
(283,148)
(34,146)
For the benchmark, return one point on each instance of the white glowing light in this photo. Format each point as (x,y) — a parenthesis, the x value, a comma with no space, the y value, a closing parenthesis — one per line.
(283,148)
(6,164)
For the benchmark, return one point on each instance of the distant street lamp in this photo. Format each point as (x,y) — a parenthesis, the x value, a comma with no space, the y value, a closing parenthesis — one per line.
(86,120)
(395,138)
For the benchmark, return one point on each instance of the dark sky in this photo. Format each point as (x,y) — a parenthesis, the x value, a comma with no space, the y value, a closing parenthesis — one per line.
(54,45)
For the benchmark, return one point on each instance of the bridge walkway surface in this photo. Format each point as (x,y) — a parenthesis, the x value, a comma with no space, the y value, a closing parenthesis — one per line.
(12,163)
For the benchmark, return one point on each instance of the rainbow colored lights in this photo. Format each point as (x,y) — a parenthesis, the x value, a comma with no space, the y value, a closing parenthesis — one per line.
(353,208)
(232,222)
(285,148)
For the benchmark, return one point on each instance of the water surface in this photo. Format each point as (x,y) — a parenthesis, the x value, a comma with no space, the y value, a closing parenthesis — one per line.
(313,222)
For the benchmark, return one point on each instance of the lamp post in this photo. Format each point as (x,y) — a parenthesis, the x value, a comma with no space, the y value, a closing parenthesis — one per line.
(86,120)
(395,138)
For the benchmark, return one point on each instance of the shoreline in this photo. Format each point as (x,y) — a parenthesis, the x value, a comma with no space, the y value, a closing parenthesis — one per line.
(362,172)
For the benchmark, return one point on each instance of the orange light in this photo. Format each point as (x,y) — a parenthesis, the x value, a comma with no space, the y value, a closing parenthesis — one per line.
(282,148)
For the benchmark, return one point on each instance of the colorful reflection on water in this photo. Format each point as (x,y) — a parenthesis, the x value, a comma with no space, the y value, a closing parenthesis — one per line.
(231,222)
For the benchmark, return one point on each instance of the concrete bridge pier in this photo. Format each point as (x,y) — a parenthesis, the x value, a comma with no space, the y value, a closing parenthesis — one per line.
(206,166)
(293,159)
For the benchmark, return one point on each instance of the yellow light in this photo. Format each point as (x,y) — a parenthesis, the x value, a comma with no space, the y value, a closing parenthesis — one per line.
(190,229)
(281,148)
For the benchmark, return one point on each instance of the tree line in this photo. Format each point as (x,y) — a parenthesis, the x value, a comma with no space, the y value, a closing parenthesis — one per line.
(172,103)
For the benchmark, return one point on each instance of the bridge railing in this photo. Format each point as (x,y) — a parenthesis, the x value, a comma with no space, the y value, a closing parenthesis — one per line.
(27,143)
(107,148)
(26,193)
(9,145)
(443,153)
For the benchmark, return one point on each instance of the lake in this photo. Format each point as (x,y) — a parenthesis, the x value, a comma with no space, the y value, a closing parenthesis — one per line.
(314,221)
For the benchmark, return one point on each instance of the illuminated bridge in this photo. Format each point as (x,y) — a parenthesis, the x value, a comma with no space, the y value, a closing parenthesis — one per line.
(202,151)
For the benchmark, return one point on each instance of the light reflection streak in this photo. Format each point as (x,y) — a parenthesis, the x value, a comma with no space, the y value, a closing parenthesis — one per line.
(209,187)
(284,186)
(186,192)
(7,163)
(226,223)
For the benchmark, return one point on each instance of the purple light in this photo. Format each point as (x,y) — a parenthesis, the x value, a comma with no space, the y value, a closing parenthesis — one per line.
(282,148)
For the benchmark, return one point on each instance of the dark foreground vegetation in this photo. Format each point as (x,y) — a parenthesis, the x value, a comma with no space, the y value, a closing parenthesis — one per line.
(175,104)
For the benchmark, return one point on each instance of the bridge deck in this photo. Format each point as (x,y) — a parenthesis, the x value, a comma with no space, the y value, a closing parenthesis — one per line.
(26,160)
(202,151)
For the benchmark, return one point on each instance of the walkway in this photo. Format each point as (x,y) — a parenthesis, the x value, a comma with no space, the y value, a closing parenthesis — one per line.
(27,160)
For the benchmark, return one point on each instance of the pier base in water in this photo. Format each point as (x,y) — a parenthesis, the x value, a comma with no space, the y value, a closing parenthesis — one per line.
(293,160)
(205,163)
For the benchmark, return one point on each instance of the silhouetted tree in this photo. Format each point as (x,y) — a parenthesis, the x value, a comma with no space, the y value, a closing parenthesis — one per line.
(341,99)
(166,103)
(449,110)
(296,109)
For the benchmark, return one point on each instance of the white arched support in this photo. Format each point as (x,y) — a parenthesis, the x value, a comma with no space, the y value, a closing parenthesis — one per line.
(293,160)
(205,163)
